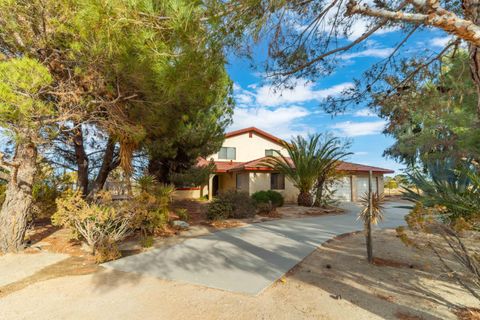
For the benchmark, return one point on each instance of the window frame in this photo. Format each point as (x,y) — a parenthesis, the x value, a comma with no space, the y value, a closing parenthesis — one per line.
(274,152)
(226,157)
(274,181)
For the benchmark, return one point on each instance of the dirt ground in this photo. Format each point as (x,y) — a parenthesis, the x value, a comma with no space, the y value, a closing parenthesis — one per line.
(334,282)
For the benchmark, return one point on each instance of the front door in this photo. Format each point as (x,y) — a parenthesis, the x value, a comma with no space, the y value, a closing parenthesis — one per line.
(215,186)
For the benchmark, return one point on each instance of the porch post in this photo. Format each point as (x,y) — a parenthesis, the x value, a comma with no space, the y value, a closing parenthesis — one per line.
(210,187)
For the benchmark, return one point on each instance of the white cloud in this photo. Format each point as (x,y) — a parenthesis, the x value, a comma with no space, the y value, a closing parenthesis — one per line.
(360,153)
(369,53)
(355,129)
(270,96)
(302,91)
(440,41)
(365,113)
(243,98)
(282,121)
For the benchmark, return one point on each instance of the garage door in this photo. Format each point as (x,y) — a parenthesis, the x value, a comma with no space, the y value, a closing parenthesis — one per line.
(343,189)
(362,186)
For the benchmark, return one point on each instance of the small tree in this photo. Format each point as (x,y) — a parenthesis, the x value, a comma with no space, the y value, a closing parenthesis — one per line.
(390,184)
(372,213)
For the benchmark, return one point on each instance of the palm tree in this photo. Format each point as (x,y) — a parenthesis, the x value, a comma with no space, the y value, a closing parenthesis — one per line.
(302,166)
(308,159)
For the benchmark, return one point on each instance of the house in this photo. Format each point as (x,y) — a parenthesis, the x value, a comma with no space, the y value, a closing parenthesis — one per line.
(240,166)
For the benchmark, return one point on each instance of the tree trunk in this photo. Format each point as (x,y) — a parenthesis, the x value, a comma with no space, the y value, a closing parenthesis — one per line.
(368,224)
(82,161)
(304,199)
(319,193)
(472,12)
(18,199)
(108,164)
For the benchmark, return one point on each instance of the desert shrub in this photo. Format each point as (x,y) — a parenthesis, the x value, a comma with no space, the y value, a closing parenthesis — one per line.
(147,241)
(47,187)
(274,197)
(456,192)
(266,208)
(261,197)
(100,223)
(182,213)
(219,209)
(267,202)
(243,206)
(146,183)
(231,204)
(150,211)
(3,188)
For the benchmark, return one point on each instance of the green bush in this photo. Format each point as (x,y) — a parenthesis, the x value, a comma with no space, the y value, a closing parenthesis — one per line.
(276,198)
(219,209)
(261,197)
(243,205)
(3,188)
(231,204)
(270,196)
(182,214)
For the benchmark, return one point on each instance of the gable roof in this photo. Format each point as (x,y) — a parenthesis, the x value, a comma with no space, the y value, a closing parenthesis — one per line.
(355,167)
(259,132)
(259,165)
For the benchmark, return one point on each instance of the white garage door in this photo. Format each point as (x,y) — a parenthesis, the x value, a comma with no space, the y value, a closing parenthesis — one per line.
(343,190)
(362,186)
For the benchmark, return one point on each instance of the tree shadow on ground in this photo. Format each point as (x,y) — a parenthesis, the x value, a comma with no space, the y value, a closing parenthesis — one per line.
(389,292)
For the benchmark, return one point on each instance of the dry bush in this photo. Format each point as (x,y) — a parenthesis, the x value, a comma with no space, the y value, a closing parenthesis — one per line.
(100,223)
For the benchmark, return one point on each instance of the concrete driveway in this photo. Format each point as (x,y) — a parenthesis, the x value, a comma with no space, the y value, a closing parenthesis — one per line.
(251,258)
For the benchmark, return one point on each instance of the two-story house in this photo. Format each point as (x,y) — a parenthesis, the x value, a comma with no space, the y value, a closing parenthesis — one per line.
(240,166)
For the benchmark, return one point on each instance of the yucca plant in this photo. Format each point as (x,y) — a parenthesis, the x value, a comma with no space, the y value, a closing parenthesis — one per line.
(371,215)
(455,190)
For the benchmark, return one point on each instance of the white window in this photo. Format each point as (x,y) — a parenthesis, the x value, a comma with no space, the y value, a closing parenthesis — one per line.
(228,153)
(271,152)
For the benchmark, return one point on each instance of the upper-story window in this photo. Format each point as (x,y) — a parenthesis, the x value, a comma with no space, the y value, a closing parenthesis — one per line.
(228,153)
(271,152)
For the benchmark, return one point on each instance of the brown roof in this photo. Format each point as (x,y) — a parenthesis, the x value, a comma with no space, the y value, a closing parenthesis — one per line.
(259,165)
(221,166)
(255,130)
(355,167)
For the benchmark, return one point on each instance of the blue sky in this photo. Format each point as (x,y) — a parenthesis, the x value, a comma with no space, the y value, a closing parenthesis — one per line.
(297,111)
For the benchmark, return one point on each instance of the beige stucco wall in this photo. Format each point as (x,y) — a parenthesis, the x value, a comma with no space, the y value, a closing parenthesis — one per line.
(248,149)
(186,194)
(261,181)
(226,181)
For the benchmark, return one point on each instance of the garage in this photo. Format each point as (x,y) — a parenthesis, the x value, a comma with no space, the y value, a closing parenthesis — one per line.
(362,185)
(343,189)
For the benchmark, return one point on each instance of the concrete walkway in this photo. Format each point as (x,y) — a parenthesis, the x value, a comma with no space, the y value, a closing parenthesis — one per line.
(248,259)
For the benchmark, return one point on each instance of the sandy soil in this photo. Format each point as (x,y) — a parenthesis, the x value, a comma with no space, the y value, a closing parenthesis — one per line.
(334,282)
